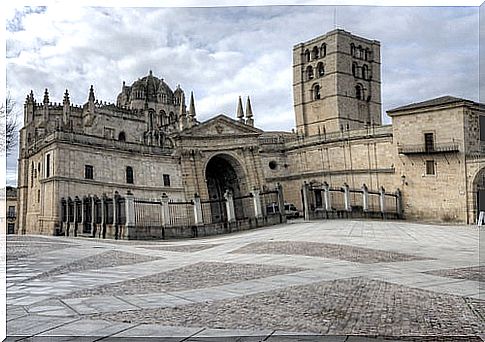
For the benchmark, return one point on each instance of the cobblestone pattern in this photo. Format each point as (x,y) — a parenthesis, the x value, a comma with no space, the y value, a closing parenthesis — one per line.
(29,246)
(350,306)
(98,261)
(182,248)
(476,273)
(326,250)
(200,275)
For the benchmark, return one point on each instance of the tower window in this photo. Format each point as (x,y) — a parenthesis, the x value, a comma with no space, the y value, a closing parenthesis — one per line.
(166,180)
(359,92)
(323,50)
(309,72)
(320,69)
(129,175)
(352,50)
(307,56)
(315,53)
(354,69)
(88,172)
(316,92)
(430,169)
(48,165)
(365,72)
(122,136)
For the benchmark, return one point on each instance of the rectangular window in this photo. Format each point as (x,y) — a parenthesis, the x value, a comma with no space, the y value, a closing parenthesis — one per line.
(430,170)
(429,142)
(88,172)
(129,175)
(11,211)
(11,228)
(48,166)
(482,127)
(166,180)
(109,133)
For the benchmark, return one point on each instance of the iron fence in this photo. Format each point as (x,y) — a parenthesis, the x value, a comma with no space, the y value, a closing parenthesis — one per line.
(214,211)
(181,214)
(148,213)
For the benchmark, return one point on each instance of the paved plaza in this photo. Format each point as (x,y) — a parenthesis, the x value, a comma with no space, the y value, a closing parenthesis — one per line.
(343,279)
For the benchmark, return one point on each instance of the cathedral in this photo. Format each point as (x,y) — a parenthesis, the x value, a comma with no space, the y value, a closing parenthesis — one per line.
(150,144)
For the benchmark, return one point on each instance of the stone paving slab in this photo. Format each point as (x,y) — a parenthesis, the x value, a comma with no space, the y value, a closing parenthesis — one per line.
(327,250)
(32,325)
(181,248)
(87,327)
(153,330)
(98,304)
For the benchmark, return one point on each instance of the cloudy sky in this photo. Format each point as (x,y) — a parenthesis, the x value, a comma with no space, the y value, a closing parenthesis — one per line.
(221,53)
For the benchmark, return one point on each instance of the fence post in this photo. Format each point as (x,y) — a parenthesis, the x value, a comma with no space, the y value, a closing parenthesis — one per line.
(281,203)
(130,231)
(258,212)
(68,226)
(306,212)
(165,210)
(231,216)
(399,206)
(365,198)
(104,215)
(382,202)
(76,218)
(198,210)
(93,215)
(348,206)
(115,213)
(327,197)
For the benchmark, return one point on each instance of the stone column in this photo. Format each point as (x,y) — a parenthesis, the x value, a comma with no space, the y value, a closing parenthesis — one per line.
(130,229)
(348,206)
(198,210)
(327,197)
(258,212)
(231,215)
(399,206)
(165,210)
(306,202)
(382,193)
(365,198)
(82,212)
(68,217)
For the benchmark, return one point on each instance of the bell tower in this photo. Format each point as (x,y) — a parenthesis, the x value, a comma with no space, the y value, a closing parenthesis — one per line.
(336,83)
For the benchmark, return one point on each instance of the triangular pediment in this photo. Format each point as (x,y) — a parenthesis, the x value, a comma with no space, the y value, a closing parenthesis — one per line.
(221,125)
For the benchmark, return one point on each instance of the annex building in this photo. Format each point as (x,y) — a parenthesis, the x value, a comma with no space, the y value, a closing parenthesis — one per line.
(76,160)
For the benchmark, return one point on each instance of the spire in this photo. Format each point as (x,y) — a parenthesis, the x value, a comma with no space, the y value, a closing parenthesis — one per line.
(249,113)
(240,112)
(30,97)
(182,107)
(46,96)
(91,94)
(192,105)
(66,98)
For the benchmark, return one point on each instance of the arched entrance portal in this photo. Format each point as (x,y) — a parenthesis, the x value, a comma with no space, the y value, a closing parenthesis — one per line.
(479,189)
(223,172)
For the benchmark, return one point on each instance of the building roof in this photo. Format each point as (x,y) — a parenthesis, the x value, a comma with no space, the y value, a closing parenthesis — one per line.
(443,100)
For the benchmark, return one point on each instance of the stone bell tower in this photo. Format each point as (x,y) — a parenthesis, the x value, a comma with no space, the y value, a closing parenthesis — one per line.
(336,83)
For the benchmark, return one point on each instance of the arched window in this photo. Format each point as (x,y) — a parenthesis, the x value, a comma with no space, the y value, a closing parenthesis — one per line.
(359,52)
(320,69)
(323,50)
(307,56)
(365,72)
(354,69)
(309,72)
(122,136)
(359,92)
(163,118)
(129,175)
(352,49)
(316,92)
(315,53)
(171,117)
(366,54)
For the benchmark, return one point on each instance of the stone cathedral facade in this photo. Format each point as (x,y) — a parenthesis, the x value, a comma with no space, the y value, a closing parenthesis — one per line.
(151,143)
